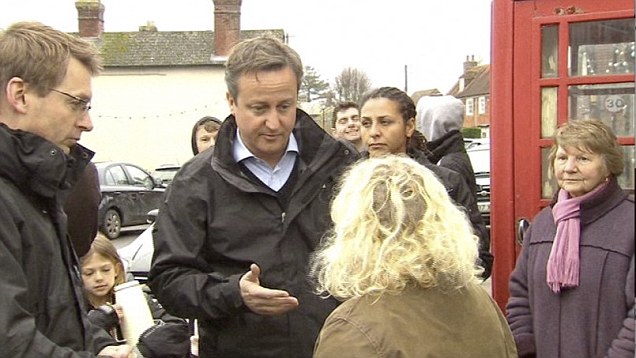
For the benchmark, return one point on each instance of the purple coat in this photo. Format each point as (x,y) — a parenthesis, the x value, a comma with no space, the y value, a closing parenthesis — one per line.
(595,319)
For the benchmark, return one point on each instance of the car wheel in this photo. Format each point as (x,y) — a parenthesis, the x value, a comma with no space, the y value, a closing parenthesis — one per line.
(112,224)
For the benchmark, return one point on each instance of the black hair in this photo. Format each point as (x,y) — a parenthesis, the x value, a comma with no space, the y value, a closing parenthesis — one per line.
(407,109)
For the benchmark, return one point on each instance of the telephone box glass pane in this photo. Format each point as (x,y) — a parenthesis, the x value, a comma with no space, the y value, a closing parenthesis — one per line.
(626,180)
(602,47)
(549,51)
(613,104)
(548,111)
(548,182)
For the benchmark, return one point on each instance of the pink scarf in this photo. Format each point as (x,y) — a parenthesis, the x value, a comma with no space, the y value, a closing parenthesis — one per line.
(563,263)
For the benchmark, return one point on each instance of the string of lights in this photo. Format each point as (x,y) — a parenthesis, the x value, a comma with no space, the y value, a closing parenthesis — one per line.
(191,113)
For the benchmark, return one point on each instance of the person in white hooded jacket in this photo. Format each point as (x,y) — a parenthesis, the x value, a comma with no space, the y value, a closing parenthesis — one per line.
(440,119)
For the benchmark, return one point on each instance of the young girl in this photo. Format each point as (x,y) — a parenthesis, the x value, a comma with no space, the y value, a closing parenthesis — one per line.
(102,269)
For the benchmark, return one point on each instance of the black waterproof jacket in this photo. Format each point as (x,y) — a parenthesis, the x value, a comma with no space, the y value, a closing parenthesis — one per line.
(41,305)
(449,152)
(216,221)
(460,192)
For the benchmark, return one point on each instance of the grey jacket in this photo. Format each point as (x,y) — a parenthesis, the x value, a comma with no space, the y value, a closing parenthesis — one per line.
(595,319)
(41,310)
(217,220)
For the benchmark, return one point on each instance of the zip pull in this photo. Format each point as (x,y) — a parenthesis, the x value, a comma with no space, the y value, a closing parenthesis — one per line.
(282,217)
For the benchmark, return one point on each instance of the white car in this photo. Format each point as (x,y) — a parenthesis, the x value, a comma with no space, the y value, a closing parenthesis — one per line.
(137,255)
(480,159)
(165,173)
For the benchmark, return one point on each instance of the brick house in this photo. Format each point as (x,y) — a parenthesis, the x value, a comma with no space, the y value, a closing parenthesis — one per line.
(473,88)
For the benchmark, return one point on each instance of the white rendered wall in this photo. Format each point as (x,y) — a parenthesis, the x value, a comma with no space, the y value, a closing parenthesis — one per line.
(146,116)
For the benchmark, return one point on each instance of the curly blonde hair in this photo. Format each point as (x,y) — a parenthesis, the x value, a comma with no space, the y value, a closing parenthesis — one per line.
(394,227)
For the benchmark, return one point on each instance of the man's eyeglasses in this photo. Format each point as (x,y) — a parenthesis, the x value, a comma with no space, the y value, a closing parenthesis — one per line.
(80,104)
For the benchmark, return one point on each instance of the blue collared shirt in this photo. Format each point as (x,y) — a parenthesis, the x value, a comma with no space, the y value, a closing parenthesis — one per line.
(275,177)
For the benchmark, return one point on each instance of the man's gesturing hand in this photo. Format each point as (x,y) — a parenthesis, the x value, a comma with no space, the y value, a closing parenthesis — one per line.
(263,300)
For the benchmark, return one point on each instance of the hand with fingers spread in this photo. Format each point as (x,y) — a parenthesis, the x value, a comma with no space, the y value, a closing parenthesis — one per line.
(261,300)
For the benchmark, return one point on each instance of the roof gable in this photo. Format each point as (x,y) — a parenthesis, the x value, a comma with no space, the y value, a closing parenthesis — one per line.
(165,48)
(429,92)
(479,85)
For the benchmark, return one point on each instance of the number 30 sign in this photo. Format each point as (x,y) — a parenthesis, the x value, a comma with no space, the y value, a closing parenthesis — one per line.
(614,103)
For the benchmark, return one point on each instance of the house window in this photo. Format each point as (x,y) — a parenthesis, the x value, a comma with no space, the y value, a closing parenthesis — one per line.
(469,106)
(482,105)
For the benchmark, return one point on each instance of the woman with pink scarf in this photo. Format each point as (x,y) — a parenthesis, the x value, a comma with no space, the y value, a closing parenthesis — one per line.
(572,291)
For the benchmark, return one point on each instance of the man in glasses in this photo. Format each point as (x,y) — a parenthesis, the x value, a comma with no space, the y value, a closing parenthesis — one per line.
(45,92)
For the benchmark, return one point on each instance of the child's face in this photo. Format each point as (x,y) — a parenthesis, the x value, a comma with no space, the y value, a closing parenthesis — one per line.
(205,139)
(98,274)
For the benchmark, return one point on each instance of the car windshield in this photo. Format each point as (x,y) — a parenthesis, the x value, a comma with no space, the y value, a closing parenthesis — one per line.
(164,174)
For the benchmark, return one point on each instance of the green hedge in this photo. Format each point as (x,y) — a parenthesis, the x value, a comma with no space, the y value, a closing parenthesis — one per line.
(471,132)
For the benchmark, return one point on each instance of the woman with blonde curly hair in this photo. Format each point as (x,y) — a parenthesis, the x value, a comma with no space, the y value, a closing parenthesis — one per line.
(402,257)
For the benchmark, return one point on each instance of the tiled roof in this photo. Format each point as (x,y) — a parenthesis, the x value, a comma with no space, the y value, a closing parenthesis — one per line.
(429,92)
(165,48)
(479,85)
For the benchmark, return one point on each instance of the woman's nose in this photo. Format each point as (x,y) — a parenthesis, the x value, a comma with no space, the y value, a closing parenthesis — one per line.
(570,165)
(374,130)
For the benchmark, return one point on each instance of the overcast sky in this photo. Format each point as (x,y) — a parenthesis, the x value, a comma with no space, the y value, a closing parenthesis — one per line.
(380,37)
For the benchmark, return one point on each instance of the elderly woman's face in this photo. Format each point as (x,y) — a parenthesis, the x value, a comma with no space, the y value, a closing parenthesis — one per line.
(579,172)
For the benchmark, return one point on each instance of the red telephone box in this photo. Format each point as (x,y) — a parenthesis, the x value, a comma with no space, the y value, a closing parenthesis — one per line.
(552,61)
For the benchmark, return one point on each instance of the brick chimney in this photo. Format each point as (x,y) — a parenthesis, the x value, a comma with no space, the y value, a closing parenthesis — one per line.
(90,18)
(227,25)
(148,27)
(469,63)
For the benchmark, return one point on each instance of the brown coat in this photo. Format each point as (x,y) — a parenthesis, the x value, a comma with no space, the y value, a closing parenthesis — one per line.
(418,323)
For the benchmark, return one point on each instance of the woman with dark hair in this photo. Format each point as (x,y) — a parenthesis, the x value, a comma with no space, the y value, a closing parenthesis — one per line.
(388,127)
(204,133)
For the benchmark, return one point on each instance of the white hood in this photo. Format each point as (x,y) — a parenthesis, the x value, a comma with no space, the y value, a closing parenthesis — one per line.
(438,115)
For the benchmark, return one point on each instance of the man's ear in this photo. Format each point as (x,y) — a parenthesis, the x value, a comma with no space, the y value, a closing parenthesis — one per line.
(16,94)
(231,102)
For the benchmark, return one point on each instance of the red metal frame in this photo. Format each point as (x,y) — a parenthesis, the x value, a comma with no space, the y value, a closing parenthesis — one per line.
(516,110)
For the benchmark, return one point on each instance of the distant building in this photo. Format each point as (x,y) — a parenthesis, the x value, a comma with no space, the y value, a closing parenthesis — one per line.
(473,88)
(157,84)
(429,92)
(319,111)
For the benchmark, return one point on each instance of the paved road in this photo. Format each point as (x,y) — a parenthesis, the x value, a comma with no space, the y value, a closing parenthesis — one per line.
(128,235)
